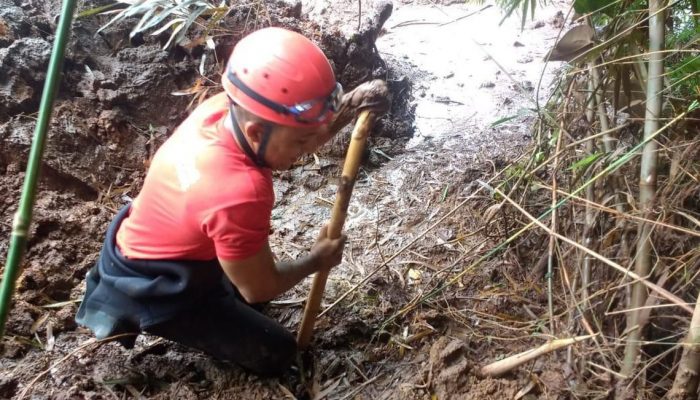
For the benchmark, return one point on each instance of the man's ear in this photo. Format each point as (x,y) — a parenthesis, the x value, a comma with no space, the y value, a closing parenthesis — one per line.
(254,132)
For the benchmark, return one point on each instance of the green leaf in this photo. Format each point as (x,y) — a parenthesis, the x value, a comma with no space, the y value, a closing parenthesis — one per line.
(511,8)
(503,120)
(694,106)
(539,157)
(553,139)
(97,10)
(585,162)
(521,112)
(444,193)
(589,6)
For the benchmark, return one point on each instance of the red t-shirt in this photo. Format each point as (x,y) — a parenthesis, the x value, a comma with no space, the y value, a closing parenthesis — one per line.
(203,198)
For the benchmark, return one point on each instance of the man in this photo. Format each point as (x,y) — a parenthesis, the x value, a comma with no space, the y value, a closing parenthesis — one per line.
(187,259)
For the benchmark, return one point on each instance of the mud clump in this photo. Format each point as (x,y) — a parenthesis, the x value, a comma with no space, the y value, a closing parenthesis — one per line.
(451,375)
(449,367)
(27,59)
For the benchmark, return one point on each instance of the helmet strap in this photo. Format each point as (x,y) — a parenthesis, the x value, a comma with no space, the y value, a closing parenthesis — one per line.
(259,158)
(267,132)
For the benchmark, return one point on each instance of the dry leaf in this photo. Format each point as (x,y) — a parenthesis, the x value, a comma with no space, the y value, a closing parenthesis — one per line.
(574,42)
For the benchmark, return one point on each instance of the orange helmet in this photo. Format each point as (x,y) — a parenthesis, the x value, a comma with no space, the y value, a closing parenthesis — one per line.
(282,77)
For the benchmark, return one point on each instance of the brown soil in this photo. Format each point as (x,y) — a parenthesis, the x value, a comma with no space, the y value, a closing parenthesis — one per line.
(115,108)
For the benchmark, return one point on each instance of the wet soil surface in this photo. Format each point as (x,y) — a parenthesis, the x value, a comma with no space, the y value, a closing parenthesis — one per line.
(116,106)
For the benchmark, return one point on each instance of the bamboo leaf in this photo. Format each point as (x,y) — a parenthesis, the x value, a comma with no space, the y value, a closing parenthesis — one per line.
(508,13)
(97,10)
(694,106)
(586,162)
(166,26)
(190,20)
(146,16)
(503,120)
(574,42)
(177,29)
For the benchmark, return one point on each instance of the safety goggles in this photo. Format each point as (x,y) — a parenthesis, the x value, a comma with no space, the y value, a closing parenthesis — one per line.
(310,111)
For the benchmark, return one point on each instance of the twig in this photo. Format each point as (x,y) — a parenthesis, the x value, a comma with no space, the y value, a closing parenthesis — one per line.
(360,388)
(404,248)
(439,24)
(661,291)
(625,215)
(552,241)
(67,356)
(466,16)
(390,259)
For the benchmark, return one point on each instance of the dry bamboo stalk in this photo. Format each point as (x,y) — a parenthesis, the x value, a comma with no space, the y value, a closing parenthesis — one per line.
(588,239)
(647,180)
(608,140)
(552,239)
(590,196)
(501,367)
(685,386)
(335,227)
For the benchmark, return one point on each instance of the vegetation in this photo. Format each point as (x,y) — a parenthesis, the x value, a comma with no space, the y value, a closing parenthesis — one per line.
(158,16)
(618,140)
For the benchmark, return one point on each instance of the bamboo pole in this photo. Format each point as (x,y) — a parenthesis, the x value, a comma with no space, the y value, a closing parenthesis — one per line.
(502,366)
(608,145)
(685,386)
(647,181)
(587,261)
(590,216)
(23,217)
(335,227)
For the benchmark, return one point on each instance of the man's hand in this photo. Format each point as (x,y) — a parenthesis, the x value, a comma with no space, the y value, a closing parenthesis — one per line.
(370,96)
(326,253)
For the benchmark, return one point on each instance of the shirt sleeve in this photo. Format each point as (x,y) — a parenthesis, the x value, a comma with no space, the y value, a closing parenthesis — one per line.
(239,231)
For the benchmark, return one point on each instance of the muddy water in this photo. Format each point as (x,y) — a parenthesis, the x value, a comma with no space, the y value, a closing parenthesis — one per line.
(453,58)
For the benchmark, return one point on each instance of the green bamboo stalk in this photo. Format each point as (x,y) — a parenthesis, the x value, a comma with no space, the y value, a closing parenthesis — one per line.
(647,182)
(23,218)
(685,386)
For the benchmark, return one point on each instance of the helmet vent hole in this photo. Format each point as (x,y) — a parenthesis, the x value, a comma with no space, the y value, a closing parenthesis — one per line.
(285,91)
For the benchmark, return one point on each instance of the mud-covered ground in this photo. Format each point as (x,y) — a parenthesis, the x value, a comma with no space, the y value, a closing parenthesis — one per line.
(116,105)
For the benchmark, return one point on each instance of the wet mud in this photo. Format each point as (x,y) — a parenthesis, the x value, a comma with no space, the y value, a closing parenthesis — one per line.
(116,106)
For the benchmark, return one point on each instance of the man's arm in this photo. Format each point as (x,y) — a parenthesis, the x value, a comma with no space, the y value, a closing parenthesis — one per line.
(259,279)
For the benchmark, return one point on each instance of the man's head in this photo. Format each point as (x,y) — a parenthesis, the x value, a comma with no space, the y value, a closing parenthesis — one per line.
(284,94)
